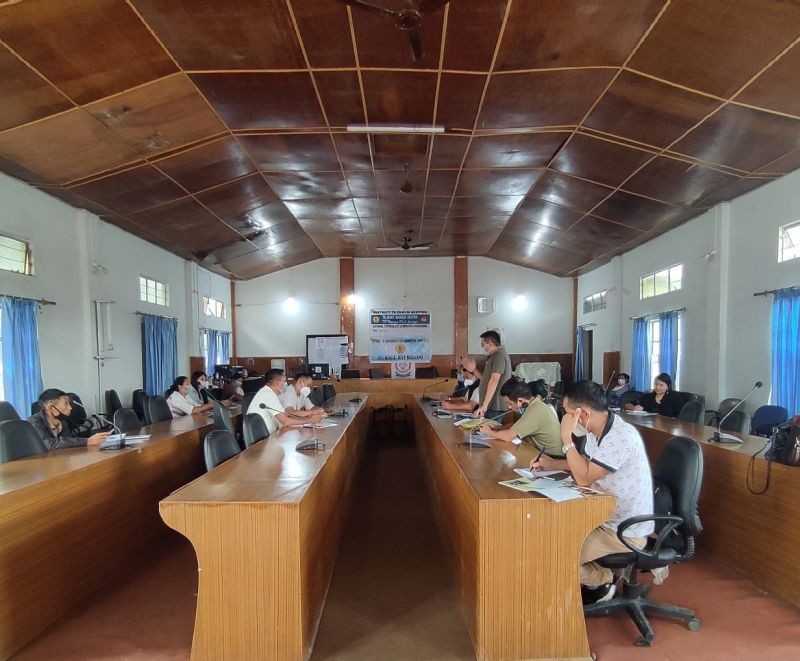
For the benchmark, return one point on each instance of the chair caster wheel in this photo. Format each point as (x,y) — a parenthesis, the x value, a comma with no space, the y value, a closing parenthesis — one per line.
(693,624)
(643,642)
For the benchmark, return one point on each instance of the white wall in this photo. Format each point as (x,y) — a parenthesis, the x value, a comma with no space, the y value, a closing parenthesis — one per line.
(545,326)
(66,242)
(607,329)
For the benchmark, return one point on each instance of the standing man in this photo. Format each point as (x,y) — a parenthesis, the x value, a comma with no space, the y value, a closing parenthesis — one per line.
(51,422)
(495,373)
(614,460)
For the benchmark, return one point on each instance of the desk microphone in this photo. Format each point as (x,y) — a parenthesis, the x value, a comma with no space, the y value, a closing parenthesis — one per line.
(311,443)
(473,442)
(608,385)
(717,437)
(425,398)
(356,399)
(114,441)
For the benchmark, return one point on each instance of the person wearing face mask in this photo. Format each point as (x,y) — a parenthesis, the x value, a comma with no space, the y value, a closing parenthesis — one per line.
(662,400)
(613,460)
(495,373)
(294,398)
(468,401)
(623,386)
(537,425)
(268,405)
(198,389)
(50,422)
(180,403)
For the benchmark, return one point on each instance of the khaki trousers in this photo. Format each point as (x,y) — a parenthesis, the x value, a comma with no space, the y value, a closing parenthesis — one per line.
(602,541)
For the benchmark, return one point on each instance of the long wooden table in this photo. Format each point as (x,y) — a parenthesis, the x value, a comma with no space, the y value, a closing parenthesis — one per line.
(758,534)
(72,519)
(266,526)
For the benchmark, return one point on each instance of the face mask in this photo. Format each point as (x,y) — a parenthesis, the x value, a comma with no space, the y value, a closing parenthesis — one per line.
(284,387)
(523,408)
(468,382)
(202,384)
(460,377)
(305,391)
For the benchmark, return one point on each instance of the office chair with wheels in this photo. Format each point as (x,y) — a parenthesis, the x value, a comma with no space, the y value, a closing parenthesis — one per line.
(222,419)
(218,447)
(351,374)
(677,479)
(737,421)
(766,417)
(692,411)
(713,417)
(159,409)
(255,429)
(246,401)
(113,403)
(8,412)
(126,420)
(630,397)
(139,405)
(18,439)
(427,372)
(328,392)
(315,397)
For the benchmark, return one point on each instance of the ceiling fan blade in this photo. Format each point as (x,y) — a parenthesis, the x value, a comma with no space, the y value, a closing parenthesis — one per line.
(397,243)
(387,249)
(427,6)
(375,9)
(415,39)
(420,248)
(423,245)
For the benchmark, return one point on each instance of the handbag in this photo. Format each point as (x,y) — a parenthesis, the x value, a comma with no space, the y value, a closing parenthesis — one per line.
(784,445)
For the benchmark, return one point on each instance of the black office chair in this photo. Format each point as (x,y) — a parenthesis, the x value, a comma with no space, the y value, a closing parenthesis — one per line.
(222,419)
(429,372)
(766,418)
(139,405)
(692,411)
(630,397)
(18,439)
(159,409)
(737,421)
(8,412)
(376,373)
(351,374)
(126,420)
(247,400)
(315,396)
(328,392)
(78,421)
(113,403)
(713,417)
(255,429)
(218,447)
(677,479)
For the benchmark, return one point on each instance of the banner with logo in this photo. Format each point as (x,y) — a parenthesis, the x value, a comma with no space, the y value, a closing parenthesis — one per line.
(397,336)
(404,370)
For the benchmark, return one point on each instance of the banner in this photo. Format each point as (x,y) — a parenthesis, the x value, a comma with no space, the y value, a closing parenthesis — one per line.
(404,370)
(399,336)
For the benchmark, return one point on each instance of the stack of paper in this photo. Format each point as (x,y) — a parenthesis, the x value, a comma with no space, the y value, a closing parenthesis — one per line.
(555,491)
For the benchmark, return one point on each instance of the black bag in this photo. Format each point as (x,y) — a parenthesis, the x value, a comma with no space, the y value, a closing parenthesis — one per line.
(784,445)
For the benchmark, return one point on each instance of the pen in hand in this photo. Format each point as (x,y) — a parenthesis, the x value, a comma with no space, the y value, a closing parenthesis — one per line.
(536,461)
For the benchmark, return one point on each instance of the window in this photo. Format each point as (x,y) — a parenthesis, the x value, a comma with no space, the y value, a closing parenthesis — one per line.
(214,308)
(655,350)
(15,256)
(152,291)
(594,302)
(789,242)
(2,388)
(661,282)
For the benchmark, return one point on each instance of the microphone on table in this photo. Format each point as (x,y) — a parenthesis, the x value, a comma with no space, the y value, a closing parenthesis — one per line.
(357,399)
(611,378)
(425,398)
(114,441)
(473,442)
(717,437)
(310,444)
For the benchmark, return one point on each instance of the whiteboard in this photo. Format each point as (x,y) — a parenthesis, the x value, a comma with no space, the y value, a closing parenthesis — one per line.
(330,349)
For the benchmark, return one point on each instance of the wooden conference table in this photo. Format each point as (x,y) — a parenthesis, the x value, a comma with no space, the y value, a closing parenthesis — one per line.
(72,519)
(266,526)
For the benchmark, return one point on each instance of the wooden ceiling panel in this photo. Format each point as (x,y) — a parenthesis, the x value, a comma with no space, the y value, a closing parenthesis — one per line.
(778,88)
(535,210)
(717,45)
(132,190)
(306,185)
(390,181)
(325,30)
(253,34)
(361,183)
(599,160)
(741,138)
(519,227)
(541,98)
(279,233)
(543,34)
(216,162)
(406,207)
(262,100)
(459,97)
(634,211)
(568,191)
(447,151)
(399,97)
(65,147)
(314,226)
(292,151)
(515,150)
(233,199)
(267,215)
(323,208)
(441,183)
(341,97)
(88,48)
(353,150)
(502,181)
(484,206)
(677,182)
(739,187)
(597,230)
(341,245)
(484,225)
(648,111)
(473,27)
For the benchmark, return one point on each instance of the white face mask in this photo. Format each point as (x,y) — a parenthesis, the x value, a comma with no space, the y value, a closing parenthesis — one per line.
(468,382)
(580,430)
(305,391)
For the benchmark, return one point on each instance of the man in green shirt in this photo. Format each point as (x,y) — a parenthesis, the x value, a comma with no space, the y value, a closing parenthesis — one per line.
(538,424)
(495,373)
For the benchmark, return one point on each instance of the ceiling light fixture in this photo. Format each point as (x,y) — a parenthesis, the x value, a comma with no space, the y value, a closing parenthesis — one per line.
(394,128)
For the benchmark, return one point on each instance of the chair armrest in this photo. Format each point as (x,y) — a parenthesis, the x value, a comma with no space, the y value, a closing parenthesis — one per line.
(671,522)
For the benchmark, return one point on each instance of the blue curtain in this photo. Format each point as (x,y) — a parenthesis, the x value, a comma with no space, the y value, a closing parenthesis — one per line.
(160,353)
(224,347)
(785,350)
(211,349)
(640,361)
(22,371)
(668,351)
(579,373)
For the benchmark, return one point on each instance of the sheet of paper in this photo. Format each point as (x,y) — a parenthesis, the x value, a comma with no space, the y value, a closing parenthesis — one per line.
(559,494)
(640,413)
(133,440)
(320,425)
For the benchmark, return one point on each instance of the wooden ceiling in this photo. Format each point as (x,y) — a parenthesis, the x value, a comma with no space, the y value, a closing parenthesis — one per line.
(574,129)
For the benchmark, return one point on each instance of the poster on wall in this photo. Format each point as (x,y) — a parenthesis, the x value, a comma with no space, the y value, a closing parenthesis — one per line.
(397,336)
(404,370)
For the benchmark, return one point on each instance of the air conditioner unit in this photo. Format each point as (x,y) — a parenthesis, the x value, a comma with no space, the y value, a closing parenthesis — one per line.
(485,305)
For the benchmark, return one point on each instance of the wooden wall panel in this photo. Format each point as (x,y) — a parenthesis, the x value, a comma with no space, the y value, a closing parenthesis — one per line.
(461,303)
(611,364)
(347,284)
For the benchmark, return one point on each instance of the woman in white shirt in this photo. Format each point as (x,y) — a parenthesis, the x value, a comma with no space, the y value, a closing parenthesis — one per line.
(178,401)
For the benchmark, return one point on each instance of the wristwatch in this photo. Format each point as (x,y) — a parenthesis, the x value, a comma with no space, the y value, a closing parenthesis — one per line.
(566,448)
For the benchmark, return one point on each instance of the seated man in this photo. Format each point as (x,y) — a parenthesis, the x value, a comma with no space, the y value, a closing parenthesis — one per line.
(614,461)
(50,422)
(537,424)
(294,399)
(179,402)
(267,404)
(469,401)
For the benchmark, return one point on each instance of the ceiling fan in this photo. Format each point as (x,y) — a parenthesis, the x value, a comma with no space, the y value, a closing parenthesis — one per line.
(408,19)
(406,245)
(407,188)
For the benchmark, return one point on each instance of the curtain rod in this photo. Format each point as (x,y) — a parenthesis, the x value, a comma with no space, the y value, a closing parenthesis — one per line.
(206,328)
(655,314)
(586,325)
(149,314)
(775,291)
(40,301)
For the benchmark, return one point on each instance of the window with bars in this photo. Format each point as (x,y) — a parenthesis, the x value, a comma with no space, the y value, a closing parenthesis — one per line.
(655,350)
(661,282)
(595,302)
(153,291)
(214,308)
(15,255)
(789,242)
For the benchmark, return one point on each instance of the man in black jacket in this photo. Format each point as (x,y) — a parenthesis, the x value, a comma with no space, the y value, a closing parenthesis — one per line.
(51,425)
